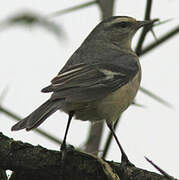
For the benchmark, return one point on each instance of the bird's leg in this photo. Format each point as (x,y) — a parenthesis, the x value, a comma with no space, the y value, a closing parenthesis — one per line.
(63,145)
(124,158)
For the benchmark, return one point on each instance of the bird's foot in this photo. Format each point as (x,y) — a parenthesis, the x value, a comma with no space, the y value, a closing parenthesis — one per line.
(125,164)
(65,149)
(125,161)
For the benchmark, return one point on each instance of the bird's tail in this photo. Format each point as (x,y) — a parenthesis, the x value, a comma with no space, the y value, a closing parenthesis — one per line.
(38,116)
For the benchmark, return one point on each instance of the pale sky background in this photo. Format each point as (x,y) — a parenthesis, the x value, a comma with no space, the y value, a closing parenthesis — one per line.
(30,58)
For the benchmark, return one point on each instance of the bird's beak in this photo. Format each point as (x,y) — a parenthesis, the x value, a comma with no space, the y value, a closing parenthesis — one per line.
(144,23)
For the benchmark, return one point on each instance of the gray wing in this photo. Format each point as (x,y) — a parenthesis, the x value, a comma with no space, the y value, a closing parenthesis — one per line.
(88,82)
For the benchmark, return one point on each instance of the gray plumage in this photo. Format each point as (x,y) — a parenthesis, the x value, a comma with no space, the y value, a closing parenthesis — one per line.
(99,81)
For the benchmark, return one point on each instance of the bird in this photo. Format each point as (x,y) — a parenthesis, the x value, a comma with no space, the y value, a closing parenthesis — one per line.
(98,82)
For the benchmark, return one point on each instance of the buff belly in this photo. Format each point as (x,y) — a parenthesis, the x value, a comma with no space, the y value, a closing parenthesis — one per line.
(110,107)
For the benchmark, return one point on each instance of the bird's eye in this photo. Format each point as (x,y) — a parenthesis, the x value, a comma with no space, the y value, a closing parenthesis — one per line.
(123,24)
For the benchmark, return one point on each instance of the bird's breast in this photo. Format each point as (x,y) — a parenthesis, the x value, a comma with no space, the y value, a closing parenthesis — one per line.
(108,108)
(114,104)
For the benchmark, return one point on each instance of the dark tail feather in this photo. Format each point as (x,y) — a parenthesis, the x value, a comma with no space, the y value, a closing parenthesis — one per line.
(47,89)
(38,116)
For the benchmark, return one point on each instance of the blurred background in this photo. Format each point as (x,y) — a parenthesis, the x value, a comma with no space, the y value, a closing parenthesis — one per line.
(37,38)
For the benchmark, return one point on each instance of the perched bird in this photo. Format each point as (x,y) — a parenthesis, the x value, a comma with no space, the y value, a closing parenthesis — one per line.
(98,82)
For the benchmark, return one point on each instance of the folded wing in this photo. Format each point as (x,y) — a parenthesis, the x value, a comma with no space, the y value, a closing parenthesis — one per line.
(88,82)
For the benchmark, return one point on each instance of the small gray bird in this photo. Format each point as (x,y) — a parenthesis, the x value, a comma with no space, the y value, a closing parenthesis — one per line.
(98,82)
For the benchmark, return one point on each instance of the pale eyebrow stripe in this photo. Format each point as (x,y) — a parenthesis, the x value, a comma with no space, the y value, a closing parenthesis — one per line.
(117,20)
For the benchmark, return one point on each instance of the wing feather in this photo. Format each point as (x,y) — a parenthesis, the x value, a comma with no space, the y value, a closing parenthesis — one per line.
(86,82)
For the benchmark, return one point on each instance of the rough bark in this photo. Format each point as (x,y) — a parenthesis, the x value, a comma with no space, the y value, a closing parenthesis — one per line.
(37,163)
(3,175)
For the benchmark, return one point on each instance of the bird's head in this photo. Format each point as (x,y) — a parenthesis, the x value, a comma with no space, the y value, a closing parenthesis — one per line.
(118,30)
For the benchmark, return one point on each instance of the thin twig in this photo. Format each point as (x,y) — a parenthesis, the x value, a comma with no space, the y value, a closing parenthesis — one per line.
(162,22)
(39,131)
(160,40)
(148,9)
(71,9)
(107,8)
(94,138)
(156,97)
(108,141)
(145,29)
(166,175)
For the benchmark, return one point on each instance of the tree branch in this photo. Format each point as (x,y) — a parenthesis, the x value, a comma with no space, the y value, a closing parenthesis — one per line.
(94,138)
(160,40)
(3,175)
(71,9)
(36,163)
(145,29)
(106,7)
(108,140)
